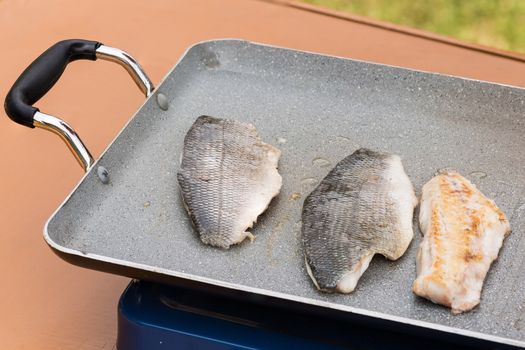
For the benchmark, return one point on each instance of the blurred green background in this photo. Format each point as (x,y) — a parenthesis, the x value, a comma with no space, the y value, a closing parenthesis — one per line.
(496,23)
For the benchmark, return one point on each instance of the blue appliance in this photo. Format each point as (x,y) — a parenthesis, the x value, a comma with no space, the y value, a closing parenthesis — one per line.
(154,317)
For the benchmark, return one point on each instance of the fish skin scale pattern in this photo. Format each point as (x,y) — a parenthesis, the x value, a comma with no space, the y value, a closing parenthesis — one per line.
(227,178)
(355,213)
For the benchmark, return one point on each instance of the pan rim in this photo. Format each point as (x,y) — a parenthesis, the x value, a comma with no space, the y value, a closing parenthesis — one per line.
(284,296)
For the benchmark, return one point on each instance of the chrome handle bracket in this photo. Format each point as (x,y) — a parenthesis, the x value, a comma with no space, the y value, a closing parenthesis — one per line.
(66,132)
(134,69)
(68,135)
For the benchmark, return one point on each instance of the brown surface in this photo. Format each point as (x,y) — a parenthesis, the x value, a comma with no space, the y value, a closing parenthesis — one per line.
(48,304)
(400,29)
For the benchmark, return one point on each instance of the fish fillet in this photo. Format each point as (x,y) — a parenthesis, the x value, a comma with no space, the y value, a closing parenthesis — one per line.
(364,206)
(463,233)
(228,176)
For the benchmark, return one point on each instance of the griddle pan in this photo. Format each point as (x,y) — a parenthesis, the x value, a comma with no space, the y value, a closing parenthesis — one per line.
(317,109)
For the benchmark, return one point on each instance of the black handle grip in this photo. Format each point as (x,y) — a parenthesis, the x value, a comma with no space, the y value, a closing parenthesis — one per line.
(42,74)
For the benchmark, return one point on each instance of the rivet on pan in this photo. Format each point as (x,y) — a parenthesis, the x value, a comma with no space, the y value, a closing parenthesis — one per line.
(103,174)
(162,101)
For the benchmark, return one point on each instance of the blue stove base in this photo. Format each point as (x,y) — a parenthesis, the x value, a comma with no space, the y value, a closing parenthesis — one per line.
(157,317)
(152,317)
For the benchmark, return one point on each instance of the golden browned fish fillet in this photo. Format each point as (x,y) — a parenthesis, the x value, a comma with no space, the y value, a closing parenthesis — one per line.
(463,233)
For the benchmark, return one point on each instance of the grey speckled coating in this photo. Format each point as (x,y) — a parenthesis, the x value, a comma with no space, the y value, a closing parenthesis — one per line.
(317,110)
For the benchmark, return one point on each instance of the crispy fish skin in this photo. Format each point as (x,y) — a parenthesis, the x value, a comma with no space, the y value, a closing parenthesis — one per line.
(227,178)
(463,233)
(364,206)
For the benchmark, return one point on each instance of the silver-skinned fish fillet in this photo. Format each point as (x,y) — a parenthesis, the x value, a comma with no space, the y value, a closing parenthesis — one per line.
(364,206)
(228,176)
(463,233)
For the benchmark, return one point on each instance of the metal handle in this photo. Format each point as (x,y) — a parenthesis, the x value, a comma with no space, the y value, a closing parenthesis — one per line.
(44,72)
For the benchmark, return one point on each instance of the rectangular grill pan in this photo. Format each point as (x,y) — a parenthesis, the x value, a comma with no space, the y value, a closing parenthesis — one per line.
(317,109)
